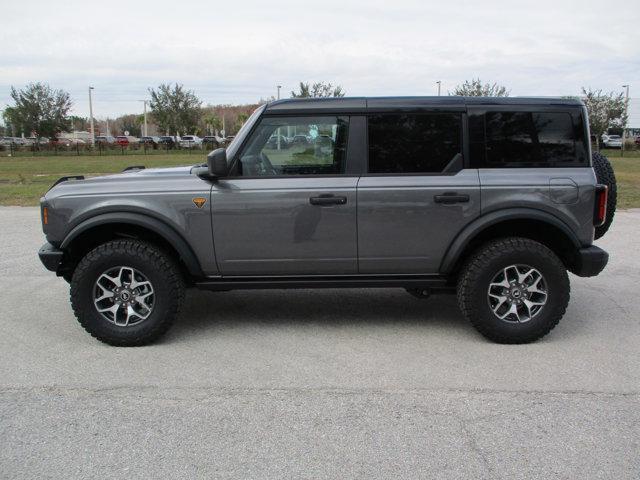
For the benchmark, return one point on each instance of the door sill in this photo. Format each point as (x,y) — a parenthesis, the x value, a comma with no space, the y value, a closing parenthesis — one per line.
(433,282)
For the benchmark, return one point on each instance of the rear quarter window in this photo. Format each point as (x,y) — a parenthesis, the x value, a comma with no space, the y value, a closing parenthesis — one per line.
(513,139)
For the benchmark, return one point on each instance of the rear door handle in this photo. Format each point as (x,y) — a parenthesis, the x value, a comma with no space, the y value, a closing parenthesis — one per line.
(328,200)
(450,197)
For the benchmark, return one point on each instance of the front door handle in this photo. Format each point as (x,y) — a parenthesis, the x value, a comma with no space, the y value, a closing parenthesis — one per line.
(327,200)
(450,197)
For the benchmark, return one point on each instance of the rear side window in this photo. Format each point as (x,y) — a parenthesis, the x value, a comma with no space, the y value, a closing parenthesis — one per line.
(414,143)
(526,139)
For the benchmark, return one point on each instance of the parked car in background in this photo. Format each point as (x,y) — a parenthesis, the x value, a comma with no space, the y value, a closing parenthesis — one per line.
(167,141)
(190,141)
(66,142)
(300,140)
(126,140)
(273,142)
(150,141)
(7,141)
(637,140)
(612,141)
(105,140)
(212,141)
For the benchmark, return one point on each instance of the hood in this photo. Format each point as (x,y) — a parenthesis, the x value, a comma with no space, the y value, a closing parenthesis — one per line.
(124,182)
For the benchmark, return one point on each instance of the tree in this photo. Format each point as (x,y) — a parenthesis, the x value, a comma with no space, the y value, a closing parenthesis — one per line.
(175,109)
(213,122)
(40,109)
(475,88)
(318,90)
(605,111)
(79,123)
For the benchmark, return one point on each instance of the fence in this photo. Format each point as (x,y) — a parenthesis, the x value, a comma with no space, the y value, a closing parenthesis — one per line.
(79,149)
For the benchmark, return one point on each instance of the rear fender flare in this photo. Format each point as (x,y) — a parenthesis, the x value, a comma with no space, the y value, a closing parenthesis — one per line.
(462,240)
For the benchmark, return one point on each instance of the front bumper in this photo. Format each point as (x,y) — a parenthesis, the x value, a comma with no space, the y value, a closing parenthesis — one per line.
(589,261)
(50,256)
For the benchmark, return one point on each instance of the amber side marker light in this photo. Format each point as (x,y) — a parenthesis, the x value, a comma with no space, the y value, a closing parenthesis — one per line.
(45,215)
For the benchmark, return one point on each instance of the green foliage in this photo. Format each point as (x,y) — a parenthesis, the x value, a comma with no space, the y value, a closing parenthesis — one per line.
(38,108)
(175,109)
(475,88)
(318,90)
(606,110)
(79,123)
(213,122)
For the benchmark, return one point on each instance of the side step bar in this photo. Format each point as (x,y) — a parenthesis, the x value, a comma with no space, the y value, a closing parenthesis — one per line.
(431,282)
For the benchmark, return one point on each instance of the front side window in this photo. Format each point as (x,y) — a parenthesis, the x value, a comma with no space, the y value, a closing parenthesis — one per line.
(295,146)
(414,143)
(529,139)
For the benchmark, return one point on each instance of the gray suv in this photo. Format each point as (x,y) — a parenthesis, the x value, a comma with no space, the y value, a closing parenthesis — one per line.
(492,199)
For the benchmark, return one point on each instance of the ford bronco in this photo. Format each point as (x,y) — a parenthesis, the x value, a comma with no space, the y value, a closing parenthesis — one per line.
(491,199)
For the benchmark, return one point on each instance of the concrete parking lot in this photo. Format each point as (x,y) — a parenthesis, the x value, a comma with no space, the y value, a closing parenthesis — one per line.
(318,383)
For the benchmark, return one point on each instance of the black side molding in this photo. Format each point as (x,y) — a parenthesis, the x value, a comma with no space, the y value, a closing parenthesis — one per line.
(134,167)
(64,179)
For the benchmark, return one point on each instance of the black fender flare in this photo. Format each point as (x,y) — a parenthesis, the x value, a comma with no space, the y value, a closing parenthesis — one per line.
(460,243)
(159,227)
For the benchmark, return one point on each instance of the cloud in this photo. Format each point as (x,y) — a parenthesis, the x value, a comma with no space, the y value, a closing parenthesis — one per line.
(238,52)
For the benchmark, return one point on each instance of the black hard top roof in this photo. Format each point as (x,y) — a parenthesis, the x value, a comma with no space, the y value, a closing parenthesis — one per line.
(363,104)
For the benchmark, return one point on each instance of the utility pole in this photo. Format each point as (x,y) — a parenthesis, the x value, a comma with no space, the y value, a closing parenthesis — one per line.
(107,121)
(439,82)
(278,131)
(93,138)
(626,113)
(144,102)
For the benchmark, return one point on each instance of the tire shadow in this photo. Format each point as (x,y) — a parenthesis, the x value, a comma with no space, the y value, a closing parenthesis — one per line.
(214,311)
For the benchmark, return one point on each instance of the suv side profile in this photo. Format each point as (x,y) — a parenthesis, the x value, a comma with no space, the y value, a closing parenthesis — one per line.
(492,199)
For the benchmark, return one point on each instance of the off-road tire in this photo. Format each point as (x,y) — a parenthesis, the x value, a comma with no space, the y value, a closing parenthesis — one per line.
(606,176)
(155,264)
(481,267)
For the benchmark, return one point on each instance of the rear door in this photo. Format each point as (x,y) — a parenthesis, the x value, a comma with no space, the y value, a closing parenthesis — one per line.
(288,208)
(417,194)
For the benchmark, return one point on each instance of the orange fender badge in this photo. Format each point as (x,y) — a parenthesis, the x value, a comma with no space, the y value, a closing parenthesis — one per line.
(199,201)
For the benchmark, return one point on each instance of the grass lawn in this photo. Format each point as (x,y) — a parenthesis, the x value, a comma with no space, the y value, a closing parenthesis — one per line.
(23,180)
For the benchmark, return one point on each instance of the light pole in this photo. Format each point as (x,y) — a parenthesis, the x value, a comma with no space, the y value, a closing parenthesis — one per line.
(93,138)
(279,87)
(439,82)
(144,102)
(626,113)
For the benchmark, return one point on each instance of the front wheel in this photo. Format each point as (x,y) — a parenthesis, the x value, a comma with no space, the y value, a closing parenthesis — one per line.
(126,292)
(513,290)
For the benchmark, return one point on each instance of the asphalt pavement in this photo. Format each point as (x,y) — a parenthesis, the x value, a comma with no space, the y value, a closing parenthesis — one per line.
(318,383)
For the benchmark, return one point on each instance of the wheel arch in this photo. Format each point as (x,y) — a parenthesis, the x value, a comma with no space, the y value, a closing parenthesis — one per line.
(523,222)
(108,226)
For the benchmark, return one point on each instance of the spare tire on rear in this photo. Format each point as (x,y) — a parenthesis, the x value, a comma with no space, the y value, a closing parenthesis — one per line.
(605,176)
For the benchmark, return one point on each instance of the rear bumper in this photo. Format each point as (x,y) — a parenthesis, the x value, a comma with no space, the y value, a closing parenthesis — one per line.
(589,261)
(50,256)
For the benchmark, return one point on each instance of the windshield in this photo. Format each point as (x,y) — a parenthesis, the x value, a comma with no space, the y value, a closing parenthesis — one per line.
(232,149)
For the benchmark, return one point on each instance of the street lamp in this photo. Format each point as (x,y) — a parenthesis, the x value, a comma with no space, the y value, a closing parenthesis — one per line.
(144,102)
(93,138)
(279,87)
(626,113)
(439,82)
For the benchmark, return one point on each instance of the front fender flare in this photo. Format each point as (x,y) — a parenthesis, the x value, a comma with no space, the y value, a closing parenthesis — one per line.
(460,243)
(150,223)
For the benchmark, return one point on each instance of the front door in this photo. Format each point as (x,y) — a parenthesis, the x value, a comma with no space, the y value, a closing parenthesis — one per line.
(287,207)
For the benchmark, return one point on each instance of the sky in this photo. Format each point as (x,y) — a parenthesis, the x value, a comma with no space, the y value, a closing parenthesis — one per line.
(237,52)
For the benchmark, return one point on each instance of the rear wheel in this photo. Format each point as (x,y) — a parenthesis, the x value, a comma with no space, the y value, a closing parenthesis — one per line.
(126,292)
(513,290)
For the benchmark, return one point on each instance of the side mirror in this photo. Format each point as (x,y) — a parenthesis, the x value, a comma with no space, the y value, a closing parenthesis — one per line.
(217,163)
